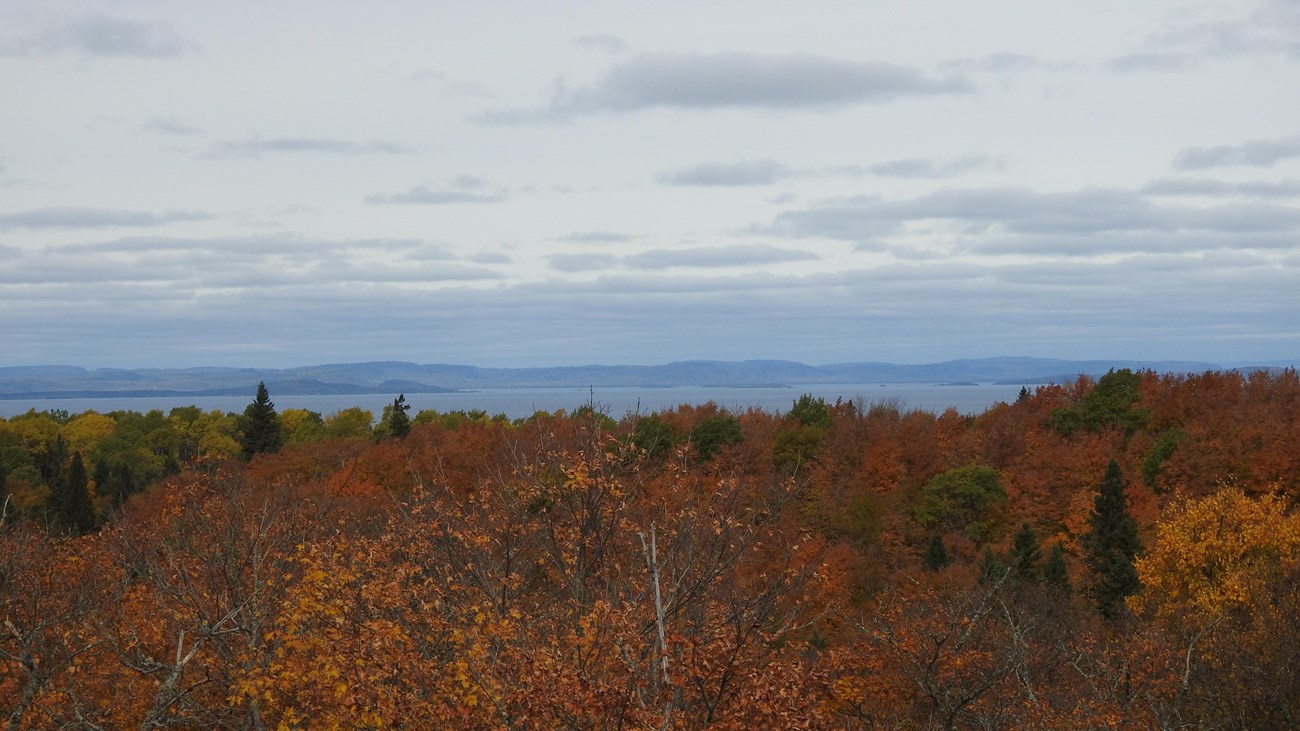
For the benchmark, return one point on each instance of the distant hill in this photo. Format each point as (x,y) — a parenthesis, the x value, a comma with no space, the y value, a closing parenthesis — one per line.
(396,376)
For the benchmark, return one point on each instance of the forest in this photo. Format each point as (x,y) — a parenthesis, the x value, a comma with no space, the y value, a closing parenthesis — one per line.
(1112,553)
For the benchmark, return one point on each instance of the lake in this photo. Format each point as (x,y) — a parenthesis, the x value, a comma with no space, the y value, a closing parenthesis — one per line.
(522,402)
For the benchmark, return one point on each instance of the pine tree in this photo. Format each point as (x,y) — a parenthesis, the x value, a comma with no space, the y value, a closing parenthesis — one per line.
(395,419)
(1026,555)
(1055,572)
(260,425)
(936,554)
(71,498)
(1112,544)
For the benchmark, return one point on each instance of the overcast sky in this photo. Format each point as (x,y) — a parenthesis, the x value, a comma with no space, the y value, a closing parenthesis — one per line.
(547,183)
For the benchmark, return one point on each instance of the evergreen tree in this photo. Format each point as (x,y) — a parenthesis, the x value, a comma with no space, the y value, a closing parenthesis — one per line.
(936,554)
(1026,555)
(1112,544)
(71,498)
(397,423)
(992,568)
(1055,572)
(260,425)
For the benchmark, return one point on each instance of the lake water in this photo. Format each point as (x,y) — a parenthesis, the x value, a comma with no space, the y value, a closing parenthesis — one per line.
(522,402)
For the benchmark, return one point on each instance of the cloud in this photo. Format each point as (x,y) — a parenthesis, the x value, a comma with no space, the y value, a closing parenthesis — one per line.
(1018,220)
(255,148)
(106,36)
(1001,63)
(249,262)
(582,262)
(597,237)
(736,80)
(52,218)
(490,257)
(170,126)
(931,169)
(1254,153)
(423,195)
(1217,188)
(716,256)
(752,172)
(602,42)
(1138,62)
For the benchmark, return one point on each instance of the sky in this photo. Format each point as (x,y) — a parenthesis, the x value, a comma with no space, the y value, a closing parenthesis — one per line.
(519,184)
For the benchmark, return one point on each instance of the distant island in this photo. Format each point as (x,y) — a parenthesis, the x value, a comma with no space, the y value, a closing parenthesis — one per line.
(54,382)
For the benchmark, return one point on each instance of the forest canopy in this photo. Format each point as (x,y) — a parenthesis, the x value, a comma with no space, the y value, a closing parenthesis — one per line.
(1119,553)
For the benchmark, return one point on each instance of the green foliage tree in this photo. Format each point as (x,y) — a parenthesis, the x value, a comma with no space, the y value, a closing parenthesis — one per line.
(1111,544)
(260,426)
(1159,454)
(812,411)
(936,553)
(1026,555)
(969,499)
(71,498)
(653,435)
(992,567)
(1055,573)
(1109,403)
(712,434)
(395,423)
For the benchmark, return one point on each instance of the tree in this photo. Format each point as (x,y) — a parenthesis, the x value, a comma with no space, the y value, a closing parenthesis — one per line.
(714,433)
(969,499)
(992,567)
(811,411)
(1026,555)
(1112,544)
(71,496)
(936,554)
(1055,572)
(260,426)
(395,420)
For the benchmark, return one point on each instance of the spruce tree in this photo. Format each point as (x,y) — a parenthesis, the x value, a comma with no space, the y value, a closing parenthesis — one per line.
(936,554)
(1055,572)
(71,498)
(992,568)
(260,425)
(1026,555)
(1112,544)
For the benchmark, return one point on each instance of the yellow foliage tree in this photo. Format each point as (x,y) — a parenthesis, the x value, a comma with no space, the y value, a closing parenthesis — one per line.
(1216,554)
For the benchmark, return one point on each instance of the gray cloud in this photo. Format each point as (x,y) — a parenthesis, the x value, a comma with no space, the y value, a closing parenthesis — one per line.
(716,256)
(1254,153)
(170,126)
(1001,63)
(490,257)
(737,80)
(582,262)
(932,169)
(423,195)
(254,148)
(242,262)
(597,237)
(1145,306)
(1212,187)
(751,172)
(1138,62)
(602,42)
(49,218)
(102,35)
(1016,217)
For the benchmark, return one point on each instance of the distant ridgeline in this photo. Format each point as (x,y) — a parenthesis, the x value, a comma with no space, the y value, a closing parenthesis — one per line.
(397,377)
